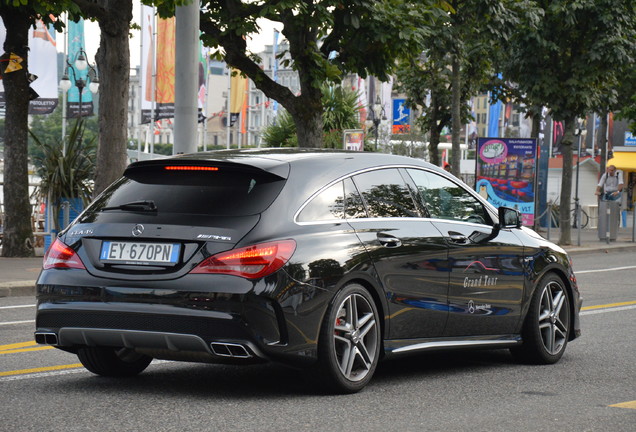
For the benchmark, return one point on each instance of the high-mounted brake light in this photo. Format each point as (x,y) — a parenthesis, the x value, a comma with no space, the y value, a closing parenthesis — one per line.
(251,262)
(60,255)
(190,168)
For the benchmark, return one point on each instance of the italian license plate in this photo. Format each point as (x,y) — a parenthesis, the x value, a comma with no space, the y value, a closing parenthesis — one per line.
(138,253)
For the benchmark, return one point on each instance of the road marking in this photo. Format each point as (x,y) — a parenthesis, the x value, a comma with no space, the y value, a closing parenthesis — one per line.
(609,305)
(22,347)
(630,405)
(40,369)
(604,270)
(17,322)
(17,345)
(17,306)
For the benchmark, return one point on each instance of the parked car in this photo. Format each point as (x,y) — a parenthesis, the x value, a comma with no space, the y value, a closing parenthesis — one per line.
(330,260)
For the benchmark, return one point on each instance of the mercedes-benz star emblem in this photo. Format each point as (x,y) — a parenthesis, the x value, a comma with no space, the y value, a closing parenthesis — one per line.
(137,230)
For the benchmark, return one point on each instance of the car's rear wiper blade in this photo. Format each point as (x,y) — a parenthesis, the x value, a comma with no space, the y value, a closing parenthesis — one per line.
(146,206)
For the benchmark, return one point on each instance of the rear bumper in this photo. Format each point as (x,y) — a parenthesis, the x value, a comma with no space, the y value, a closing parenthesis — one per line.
(220,322)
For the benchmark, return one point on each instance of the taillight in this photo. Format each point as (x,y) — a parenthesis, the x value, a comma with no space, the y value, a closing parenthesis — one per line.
(251,262)
(60,255)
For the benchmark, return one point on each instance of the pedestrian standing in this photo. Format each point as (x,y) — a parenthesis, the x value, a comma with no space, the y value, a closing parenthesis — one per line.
(610,185)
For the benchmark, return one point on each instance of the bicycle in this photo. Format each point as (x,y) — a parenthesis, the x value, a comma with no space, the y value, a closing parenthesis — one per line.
(555,217)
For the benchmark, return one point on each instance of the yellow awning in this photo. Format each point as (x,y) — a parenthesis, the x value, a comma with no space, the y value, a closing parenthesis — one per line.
(625,161)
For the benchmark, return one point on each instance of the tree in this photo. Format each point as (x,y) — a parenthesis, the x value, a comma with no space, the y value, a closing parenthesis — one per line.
(113,63)
(456,64)
(341,111)
(476,31)
(18,16)
(570,60)
(327,39)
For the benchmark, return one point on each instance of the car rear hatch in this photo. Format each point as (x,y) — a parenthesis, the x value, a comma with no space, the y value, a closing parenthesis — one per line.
(163,217)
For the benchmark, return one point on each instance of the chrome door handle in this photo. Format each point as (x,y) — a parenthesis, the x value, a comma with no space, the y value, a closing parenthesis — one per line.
(389,241)
(458,238)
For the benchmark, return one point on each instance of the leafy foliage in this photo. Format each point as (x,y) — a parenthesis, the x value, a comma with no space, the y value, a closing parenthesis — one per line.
(326,38)
(572,60)
(341,111)
(48,128)
(66,167)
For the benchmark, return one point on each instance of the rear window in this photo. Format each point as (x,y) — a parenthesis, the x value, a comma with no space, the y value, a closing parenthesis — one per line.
(220,191)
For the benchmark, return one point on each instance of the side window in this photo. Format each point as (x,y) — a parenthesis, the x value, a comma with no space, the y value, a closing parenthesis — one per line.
(328,205)
(447,200)
(385,194)
(353,203)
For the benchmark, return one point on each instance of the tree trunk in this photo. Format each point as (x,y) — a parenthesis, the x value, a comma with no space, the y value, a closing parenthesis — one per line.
(566,182)
(456,117)
(18,232)
(309,130)
(113,62)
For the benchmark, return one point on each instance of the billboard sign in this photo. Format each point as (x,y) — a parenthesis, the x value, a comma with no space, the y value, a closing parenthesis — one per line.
(506,173)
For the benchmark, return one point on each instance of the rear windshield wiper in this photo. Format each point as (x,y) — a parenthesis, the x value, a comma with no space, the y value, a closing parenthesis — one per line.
(145,206)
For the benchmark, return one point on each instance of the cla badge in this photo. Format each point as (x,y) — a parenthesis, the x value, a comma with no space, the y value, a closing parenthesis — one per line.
(137,230)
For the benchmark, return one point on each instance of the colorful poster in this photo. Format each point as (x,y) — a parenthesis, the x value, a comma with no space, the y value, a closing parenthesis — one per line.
(353,139)
(158,66)
(506,173)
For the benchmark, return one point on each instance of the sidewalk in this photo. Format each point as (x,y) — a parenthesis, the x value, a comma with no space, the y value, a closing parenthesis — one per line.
(18,275)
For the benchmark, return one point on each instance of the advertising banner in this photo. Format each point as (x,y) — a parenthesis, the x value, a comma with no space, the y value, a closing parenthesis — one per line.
(42,54)
(157,74)
(77,100)
(506,173)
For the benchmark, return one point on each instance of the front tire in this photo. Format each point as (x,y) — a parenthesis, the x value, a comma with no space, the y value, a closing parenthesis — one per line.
(547,326)
(349,344)
(113,362)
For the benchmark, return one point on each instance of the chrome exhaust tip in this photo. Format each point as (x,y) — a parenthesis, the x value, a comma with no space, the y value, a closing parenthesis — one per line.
(234,350)
(46,338)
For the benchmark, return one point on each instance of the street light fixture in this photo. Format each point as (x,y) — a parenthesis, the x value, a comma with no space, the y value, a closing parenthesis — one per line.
(378,115)
(91,81)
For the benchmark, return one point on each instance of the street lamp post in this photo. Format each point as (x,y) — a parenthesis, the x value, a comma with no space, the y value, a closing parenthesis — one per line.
(577,206)
(378,115)
(80,64)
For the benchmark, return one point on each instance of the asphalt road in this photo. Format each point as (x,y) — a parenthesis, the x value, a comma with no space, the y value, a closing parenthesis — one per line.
(592,388)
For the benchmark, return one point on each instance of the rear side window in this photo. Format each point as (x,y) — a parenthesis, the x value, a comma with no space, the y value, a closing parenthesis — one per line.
(224,191)
(327,205)
(385,194)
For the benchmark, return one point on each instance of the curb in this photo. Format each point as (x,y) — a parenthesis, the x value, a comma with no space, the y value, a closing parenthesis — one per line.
(17,289)
(602,247)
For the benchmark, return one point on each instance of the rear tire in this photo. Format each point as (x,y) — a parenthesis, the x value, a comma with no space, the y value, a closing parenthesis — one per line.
(547,326)
(113,362)
(349,344)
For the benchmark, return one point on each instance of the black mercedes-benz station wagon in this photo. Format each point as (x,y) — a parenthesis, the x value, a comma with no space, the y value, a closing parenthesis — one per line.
(327,259)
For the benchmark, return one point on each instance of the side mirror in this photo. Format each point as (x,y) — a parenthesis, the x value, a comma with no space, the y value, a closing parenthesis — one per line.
(509,218)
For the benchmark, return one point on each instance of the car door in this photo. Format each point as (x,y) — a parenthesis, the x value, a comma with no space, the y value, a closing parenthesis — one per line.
(486,277)
(408,252)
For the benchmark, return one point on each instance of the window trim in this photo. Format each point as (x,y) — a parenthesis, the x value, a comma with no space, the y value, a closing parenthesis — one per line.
(492,212)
